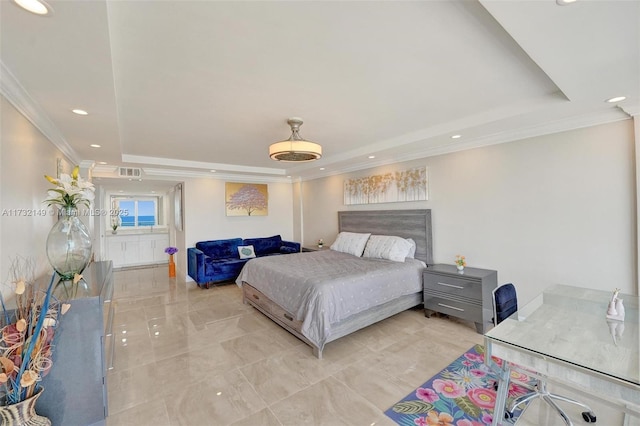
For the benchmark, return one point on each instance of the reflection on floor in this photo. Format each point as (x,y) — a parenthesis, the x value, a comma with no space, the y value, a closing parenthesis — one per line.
(188,356)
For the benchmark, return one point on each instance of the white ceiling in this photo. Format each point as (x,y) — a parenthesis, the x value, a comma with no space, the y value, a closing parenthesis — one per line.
(182,87)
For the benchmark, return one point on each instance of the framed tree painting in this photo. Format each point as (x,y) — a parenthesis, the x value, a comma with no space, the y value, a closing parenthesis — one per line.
(246,199)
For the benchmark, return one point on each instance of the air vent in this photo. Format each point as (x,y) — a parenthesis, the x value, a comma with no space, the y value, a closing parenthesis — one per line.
(131,172)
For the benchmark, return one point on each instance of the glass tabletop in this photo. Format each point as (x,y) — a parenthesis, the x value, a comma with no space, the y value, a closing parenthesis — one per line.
(569,324)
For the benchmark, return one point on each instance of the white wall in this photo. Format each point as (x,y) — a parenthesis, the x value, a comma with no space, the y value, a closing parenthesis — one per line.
(552,209)
(26,156)
(205,219)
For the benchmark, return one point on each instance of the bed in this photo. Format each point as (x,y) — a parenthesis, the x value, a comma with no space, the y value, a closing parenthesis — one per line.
(324,295)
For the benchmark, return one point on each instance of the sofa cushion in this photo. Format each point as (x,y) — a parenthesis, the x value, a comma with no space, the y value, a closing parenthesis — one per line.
(220,249)
(223,268)
(264,246)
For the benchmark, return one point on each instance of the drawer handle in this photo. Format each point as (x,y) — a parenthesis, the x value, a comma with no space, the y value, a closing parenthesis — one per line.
(450,285)
(255,296)
(450,307)
(289,317)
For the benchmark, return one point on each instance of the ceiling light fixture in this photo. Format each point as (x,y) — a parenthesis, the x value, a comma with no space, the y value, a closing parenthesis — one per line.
(616,99)
(371,157)
(456,136)
(564,2)
(94,145)
(38,7)
(295,149)
(79,112)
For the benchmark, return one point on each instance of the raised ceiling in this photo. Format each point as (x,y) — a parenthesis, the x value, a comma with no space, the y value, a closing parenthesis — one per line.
(182,87)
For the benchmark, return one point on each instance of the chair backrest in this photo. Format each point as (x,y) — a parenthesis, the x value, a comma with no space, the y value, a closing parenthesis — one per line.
(505,302)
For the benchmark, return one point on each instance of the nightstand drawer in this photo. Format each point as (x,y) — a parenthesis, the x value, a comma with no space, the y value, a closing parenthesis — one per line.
(454,308)
(444,285)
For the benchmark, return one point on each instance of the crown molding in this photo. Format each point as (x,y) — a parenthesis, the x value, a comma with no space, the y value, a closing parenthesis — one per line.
(430,150)
(110,171)
(17,95)
(158,161)
(193,174)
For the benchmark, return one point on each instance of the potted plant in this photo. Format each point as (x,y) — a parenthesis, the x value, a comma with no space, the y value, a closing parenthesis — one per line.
(69,241)
(115,223)
(461,262)
(172,266)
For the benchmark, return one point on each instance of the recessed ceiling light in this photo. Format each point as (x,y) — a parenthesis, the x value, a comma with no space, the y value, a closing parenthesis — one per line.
(616,99)
(212,171)
(79,112)
(565,2)
(321,168)
(372,156)
(94,145)
(456,136)
(102,162)
(35,6)
(289,176)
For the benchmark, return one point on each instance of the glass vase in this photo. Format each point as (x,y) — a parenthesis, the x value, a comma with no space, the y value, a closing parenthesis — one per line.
(69,244)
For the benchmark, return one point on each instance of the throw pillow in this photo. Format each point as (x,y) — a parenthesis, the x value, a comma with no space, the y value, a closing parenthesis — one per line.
(350,242)
(246,252)
(387,247)
(412,250)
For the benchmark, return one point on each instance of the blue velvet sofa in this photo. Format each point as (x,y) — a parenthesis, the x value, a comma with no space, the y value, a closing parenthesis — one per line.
(218,260)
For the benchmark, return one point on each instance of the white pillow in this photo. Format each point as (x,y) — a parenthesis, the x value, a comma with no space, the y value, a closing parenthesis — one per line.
(246,252)
(387,247)
(350,242)
(412,249)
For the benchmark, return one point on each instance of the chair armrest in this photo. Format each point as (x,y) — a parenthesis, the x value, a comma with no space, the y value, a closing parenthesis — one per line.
(291,245)
(195,264)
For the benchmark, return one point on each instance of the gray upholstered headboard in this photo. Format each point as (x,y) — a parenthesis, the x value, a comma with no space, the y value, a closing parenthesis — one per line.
(414,224)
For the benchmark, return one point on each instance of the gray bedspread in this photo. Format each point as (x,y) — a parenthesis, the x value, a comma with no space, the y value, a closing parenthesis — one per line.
(325,287)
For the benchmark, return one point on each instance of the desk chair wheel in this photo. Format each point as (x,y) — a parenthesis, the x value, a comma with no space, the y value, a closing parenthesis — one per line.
(508,415)
(589,417)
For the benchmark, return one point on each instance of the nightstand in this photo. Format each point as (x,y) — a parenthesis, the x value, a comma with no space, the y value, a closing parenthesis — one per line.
(465,295)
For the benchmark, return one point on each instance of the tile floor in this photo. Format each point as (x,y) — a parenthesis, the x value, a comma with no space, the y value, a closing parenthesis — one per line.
(188,356)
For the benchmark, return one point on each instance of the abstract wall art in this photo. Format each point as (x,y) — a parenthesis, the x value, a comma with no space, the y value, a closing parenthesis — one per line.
(392,187)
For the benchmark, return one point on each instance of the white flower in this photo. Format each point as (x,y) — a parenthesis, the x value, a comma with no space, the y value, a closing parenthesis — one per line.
(70,190)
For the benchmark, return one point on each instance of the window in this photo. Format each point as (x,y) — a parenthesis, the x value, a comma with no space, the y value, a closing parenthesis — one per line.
(136,212)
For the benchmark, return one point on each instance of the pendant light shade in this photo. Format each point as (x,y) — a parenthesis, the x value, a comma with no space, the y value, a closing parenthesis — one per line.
(295,149)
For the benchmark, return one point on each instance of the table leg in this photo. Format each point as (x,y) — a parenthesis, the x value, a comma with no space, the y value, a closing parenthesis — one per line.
(501,396)
(504,373)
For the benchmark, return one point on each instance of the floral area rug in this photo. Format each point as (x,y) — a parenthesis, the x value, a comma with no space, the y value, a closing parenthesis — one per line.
(462,394)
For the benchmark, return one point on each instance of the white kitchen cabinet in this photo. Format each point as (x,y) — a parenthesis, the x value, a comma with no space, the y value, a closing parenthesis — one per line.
(137,249)
(152,248)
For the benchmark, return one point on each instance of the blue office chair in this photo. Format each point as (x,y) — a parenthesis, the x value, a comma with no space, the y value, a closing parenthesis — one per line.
(505,304)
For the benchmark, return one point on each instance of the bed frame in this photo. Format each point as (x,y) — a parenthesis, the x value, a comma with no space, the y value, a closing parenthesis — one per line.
(415,224)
